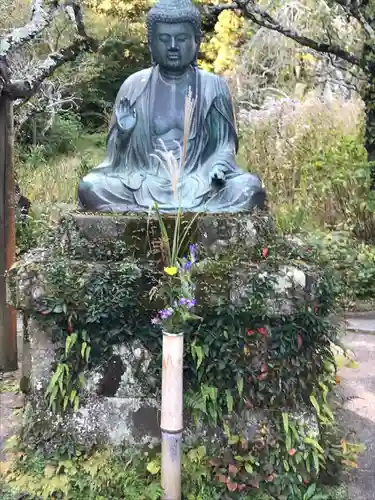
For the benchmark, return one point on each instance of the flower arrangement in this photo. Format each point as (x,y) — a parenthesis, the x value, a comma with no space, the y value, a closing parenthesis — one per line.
(178,293)
(178,289)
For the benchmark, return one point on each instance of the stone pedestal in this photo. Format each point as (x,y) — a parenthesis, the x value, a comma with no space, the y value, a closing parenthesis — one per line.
(116,408)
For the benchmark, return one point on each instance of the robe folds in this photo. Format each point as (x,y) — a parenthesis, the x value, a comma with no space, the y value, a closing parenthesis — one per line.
(132,178)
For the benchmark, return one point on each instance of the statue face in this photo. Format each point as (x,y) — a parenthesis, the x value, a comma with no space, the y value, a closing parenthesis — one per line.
(173,45)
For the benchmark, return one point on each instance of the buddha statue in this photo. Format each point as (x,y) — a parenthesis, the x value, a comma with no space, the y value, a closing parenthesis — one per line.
(149,116)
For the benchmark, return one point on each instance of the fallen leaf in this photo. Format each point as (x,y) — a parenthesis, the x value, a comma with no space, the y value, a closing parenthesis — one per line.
(232,486)
(232,469)
(299,340)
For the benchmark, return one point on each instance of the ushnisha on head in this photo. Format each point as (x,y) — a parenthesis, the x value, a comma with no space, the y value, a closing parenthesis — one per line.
(174,33)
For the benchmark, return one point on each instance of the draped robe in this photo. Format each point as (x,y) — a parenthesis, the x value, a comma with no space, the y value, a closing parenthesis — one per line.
(131,178)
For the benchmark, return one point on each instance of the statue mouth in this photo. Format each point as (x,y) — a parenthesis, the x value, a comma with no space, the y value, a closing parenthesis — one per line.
(173,56)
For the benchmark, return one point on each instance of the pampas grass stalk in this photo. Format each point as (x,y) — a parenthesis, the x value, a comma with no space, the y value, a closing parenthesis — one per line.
(173,343)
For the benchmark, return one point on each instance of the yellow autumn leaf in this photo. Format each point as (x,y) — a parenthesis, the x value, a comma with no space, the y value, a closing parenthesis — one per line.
(350,463)
(49,470)
(15,265)
(6,467)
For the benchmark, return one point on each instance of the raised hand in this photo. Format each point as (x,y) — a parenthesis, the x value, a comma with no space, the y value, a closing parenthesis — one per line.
(125,115)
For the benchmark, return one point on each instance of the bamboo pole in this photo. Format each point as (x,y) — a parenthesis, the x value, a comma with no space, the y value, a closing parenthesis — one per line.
(172,415)
(8,321)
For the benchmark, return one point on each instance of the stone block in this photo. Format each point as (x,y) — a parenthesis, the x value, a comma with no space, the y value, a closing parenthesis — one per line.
(42,354)
(98,422)
(25,280)
(217,235)
(140,235)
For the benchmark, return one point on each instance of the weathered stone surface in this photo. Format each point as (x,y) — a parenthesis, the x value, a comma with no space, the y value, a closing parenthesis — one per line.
(116,407)
(42,354)
(141,234)
(99,421)
(218,234)
(249,425)
(122,373)
(290,287)
(27,283)
(25,280)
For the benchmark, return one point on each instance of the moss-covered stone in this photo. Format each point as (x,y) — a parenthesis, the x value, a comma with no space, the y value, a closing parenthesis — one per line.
(97,275)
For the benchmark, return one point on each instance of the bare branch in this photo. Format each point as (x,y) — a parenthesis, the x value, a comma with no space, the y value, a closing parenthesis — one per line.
(20,89)
(54,96)
(353,8)
(75,14)
(251,10)
(41,18)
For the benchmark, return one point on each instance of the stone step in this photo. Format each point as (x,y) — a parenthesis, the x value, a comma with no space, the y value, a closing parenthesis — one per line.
(364,322)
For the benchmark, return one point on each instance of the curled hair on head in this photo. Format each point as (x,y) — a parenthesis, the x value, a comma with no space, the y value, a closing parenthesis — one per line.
(174,11)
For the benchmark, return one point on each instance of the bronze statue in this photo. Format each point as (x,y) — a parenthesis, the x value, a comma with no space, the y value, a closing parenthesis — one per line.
(149,111)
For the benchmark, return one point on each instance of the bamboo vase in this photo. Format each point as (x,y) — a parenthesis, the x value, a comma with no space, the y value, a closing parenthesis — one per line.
(172,415)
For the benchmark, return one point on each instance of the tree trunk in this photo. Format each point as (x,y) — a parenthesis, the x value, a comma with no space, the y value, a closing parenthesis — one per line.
(369,100)
(8,321)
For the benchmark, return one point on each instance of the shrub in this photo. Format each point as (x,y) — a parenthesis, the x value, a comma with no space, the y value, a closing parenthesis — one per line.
(353,262)
(30,231)
(40,144)
(63,136)
(121,54)
(311,157)
(126,474)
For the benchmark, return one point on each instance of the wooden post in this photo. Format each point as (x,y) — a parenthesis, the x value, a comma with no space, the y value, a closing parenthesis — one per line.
(8,320)
(172,415)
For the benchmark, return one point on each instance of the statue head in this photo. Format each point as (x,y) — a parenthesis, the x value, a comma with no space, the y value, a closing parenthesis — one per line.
(174,32)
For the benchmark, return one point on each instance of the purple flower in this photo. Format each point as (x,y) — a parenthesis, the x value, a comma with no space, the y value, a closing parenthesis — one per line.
(186,266)
(191,303)
(166,313)
(193,252)
(187,302)
(155,321)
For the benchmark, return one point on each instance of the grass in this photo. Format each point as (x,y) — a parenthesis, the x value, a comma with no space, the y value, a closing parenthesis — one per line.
(9,386)
(55,181)
(310,154)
